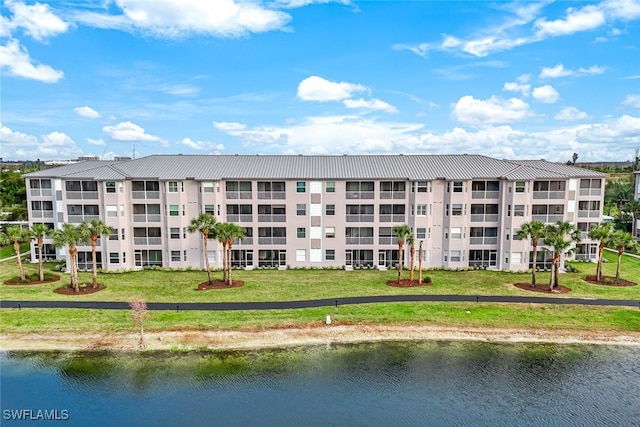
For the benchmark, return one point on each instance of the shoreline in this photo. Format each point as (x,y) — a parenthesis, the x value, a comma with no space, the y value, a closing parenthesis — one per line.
(197,340)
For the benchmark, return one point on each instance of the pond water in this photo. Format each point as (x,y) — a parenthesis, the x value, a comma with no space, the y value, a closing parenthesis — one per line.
(399,383)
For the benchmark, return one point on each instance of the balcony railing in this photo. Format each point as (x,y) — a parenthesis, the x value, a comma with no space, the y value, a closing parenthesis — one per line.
(76,219)
(42,214)
(588,214)
(393,194)
(359,240)
(549,219)
(392,218)
(549,195)
(239,218)
(360,194)
(244,241)
(387,240)
(147,240)
(590,191)
(483,240)
(145,194)
(485,194)
(146,218)
(279,195)
(585,257)
(75,195)
(360,218)
(272,240)
(41,192)
(272,218)
(484,217)
(239,195)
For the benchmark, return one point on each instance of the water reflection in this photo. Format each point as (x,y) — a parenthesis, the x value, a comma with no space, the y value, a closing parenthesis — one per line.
(403,383)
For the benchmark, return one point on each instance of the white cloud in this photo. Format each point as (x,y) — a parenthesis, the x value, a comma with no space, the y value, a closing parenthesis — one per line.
(229,126)
(521,85)
(183,18)
(586,18)
(127,131)
(21,146)
(493,110)
(571,114)
(370,104)
(87,112)
(546,94)
(15,61)
(622,131)
(37,20)
(316,88)
(625,10)
(98,141)
(559,71)
(202,145)
(632,100)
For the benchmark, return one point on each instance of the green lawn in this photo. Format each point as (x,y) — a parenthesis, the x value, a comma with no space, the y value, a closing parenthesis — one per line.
(269,285)
(7,251)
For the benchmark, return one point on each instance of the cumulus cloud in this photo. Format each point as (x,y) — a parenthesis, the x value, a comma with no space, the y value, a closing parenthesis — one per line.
(52,146)
(127,131)
(37,20)
(624,130)
(580,19)
(87,112)
(229,126)
(520,85)
(316,88)
(98,141)
(632,100)
(571,114)
(202,145)
(370,104)
(559,71)
(493,110)
(546,94)
(183,18)
(15,61)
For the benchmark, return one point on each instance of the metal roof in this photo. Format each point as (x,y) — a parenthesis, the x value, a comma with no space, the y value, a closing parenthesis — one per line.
(402,167)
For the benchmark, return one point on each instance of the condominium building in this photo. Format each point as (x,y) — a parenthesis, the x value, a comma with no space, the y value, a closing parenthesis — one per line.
(316,211)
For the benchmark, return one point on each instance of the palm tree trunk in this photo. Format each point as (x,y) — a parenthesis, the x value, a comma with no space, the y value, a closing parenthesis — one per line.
(618,266)
(40,261)
(599,266)
(412,251)
(94,267)
(74,269)
(224,262)
(400,260)
(206,257)
(229,246)
(535,259)
(556,267)
(420,263)
(16,247)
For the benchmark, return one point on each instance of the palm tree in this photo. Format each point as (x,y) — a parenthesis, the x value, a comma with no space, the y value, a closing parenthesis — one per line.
(91,231)
(69,235)
(420,262)
(633,209)
(621,241)
(412,255)
(602,233)
(401,232)
(206,224)
(223,234)
(556,236)
(16,235)
(535,231)
(39,232)
(231,232)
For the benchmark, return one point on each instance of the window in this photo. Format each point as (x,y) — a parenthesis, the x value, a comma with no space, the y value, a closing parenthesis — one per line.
(519,188)
(174,210)
(207,187)
(173,186)
(301,255)
(301,209)
(518,210)
(330,232)
(330,187)
(516,257)
(112,210)
(421,233)
(209,209)
(175,256)
(456,209)
(456,233)
(301,187)
(455,256)
(457,186)
(329,255)
(301,232)
(114,234)
(111,187)
(422,186)
(114,258)
(421,210)
(174,232)
(123,238)
(330,210)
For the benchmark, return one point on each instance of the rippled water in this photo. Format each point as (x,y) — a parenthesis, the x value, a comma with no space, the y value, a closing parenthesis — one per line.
(400,384)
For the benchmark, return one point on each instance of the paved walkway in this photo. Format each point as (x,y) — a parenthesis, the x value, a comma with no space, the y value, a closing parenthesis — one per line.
(329,302)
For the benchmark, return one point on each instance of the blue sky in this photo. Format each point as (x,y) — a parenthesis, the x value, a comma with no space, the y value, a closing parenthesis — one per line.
(505,79)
